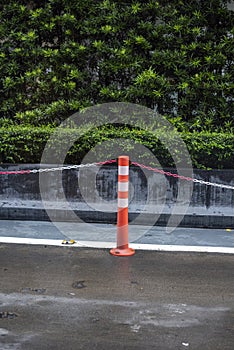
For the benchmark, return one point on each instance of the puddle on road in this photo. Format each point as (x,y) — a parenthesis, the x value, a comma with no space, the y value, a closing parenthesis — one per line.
(172,316)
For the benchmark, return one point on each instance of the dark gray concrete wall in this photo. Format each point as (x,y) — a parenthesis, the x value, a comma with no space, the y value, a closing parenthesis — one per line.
(209,207)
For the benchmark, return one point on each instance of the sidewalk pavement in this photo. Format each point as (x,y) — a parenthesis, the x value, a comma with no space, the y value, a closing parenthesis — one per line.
(104,236)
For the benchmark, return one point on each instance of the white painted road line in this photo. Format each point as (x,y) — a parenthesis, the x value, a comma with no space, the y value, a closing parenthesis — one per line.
(109,245)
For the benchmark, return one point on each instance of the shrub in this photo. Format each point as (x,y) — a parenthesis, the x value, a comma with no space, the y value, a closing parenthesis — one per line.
(26,144)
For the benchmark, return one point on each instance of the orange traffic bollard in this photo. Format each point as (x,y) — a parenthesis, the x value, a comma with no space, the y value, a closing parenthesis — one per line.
(122,248)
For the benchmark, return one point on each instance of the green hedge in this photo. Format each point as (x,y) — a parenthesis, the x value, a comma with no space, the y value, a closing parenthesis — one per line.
(26,144)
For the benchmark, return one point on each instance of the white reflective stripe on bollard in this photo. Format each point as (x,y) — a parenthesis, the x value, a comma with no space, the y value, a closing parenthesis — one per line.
(123,186)
(122,202)
(123,170)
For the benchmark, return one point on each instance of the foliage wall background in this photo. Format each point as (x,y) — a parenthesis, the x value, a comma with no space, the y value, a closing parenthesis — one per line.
(59,56)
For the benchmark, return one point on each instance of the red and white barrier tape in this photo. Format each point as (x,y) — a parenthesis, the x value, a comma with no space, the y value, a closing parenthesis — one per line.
(160,171)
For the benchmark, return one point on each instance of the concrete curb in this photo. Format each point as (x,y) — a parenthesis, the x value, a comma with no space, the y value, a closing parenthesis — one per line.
(92,216)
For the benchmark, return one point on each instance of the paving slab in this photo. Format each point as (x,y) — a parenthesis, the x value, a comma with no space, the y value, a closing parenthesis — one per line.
(138,234)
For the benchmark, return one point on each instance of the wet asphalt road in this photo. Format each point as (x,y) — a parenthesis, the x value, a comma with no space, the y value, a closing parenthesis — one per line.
(78,298)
